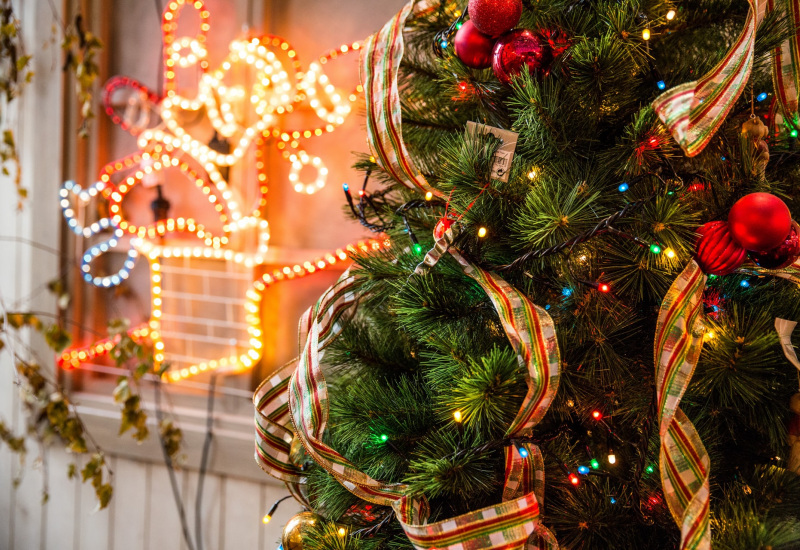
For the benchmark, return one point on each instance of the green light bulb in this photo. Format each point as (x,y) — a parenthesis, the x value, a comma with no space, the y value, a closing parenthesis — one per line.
(595,465)
(793,133)
(459,25)
(384,437)
(655,249)
(650,469)
(417,248)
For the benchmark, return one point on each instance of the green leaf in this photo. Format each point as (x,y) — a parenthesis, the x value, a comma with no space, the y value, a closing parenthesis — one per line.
(72,471)
(91,469)
(57,338)
(104,493)
(123,391)
(141,370)
(22,61)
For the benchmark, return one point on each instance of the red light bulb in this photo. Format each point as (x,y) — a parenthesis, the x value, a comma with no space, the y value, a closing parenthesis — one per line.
(604,287)
(574,479)
(597,415)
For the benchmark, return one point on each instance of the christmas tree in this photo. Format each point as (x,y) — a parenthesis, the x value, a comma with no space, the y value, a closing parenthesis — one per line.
(580,334)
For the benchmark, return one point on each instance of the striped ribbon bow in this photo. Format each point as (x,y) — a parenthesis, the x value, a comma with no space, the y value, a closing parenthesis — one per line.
(785,75)
(684,461)
(694,111)
(380,65)
(515,523)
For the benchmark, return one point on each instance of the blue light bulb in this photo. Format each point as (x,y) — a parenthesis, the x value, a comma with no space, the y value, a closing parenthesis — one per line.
(443,44)
(613,500)
(762,96)
(523,452)
(566,292)
(745,283)
(661,85)
(583,470)
(623,187)
(345,187)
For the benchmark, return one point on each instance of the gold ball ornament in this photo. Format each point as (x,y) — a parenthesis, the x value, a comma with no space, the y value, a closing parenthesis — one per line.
(297,453)
(298,529)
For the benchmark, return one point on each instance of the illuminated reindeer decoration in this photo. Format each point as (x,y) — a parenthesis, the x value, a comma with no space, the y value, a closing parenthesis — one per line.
(218,327)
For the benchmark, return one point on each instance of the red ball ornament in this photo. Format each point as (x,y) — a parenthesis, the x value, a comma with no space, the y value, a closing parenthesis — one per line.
(782,255)
(440,228)
(715,250)
(760,221)
(519,48)
(494,17)
(473,48)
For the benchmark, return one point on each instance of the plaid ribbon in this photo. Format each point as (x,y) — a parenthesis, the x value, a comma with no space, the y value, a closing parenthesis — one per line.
(515,523)
(785,61)
(694,111)
(684,461)
(512,524)
(380,65)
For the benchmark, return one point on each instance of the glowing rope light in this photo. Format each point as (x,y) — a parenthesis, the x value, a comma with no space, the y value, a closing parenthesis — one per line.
(278,88)
(232,363)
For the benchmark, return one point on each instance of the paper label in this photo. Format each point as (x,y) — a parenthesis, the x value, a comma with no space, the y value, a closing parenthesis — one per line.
(785,329)
(505,154)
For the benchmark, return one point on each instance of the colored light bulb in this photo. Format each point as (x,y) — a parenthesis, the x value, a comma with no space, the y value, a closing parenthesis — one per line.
(744,283)
(482,232)
(523,452)
(417,248)
(457,416)
(670,15)
(762,96)
(459,25)
(613,500)
(655,249)
(342,531)
(669,253)
(428,196)
(266,519)
(649,469)
(793,133)
(623,187)
(443,44)
(566,292)
(575,480)
(597,415)
(661,85)
(646,34)
(604,287)
(583,470)
(594,464)
(345,187)
(384,437)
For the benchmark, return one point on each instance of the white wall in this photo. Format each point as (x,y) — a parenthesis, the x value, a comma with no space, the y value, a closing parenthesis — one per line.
(142,514)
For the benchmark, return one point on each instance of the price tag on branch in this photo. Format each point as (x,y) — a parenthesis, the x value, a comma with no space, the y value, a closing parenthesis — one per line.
(505,154)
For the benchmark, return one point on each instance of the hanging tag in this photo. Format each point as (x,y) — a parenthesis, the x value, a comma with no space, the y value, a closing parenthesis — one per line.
(784,328)
(504,155)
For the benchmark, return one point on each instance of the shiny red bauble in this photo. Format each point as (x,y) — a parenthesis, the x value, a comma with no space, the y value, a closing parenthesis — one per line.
(441,227)
(517,49)
(473,48)
(782,255)
(760,221)
(715,250)
(494,17)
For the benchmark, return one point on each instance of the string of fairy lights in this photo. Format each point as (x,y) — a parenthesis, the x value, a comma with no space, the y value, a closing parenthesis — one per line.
(243,100)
